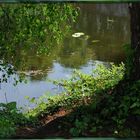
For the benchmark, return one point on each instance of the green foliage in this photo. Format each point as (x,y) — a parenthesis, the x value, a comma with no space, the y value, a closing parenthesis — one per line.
(11,118)
(80,126)
(129,62)
(88,84)
(7,128)
(112,113)
(79,89)
(34,27)
(8,70)
(97,105)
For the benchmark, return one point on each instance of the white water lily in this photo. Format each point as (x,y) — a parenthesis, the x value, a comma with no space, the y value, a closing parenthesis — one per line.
(77,34)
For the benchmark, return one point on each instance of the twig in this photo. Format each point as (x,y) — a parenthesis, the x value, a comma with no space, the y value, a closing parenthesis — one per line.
(6,97)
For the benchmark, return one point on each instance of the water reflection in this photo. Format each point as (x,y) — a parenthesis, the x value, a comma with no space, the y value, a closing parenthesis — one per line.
(103,22)
(105,28)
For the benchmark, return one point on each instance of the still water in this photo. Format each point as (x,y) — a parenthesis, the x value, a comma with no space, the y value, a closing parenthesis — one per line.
(106,30)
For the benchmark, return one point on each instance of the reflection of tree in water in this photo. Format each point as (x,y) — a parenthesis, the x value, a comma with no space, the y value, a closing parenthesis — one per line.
(30,30)
(37,66)
(75,53)
(107,32)
(102,22)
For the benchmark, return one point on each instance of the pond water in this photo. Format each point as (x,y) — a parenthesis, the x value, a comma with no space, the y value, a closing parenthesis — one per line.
(106,30)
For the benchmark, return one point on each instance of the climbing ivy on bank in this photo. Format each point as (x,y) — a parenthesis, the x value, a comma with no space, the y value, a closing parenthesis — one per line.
(97,107)
(79,89)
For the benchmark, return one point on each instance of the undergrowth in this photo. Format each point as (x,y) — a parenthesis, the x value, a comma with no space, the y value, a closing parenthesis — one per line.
(109,114)
(79,89)
(98,107)
(11,118)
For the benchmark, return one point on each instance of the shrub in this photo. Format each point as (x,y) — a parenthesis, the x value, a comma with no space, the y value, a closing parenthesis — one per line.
(10,119)
(78,89)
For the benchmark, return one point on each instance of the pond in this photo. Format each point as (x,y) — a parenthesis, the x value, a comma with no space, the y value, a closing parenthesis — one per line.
(104,30)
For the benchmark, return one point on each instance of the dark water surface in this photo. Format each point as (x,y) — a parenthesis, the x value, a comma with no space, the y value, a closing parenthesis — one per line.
(106,30)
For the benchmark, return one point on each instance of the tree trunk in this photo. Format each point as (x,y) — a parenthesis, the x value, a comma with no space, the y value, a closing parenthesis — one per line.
(135,40)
